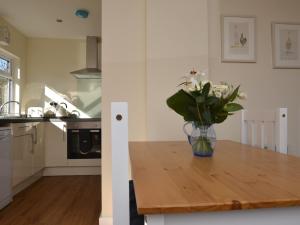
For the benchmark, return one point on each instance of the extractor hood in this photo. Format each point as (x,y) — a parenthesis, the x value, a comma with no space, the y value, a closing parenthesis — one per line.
(92,70)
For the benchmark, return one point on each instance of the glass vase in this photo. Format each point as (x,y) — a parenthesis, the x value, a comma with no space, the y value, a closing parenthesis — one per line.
(202,139)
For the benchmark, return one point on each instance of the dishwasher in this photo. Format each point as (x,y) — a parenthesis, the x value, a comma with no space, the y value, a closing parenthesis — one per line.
(5,167)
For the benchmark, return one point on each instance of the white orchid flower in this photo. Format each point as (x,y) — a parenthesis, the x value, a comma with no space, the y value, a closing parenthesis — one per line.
(220,90)
(203,73)
(242,95)
(194,84)
(218,94)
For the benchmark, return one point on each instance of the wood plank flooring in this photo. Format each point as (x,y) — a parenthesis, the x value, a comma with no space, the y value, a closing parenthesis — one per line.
(68,200)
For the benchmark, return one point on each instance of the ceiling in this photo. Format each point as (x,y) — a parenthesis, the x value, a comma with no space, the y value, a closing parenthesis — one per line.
(37,18)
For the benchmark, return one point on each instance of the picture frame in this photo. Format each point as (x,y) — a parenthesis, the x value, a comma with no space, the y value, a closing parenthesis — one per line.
(286,45)
(238,39)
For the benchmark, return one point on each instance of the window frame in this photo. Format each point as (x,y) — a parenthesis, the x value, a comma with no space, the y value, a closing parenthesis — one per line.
(9,76)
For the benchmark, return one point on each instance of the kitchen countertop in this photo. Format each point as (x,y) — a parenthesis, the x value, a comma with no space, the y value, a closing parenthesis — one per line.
(169,179)
(32,119)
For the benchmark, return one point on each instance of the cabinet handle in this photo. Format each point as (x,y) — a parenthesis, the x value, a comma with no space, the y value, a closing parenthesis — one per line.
(23,127)
(64,130)
(32,143)
(35,134)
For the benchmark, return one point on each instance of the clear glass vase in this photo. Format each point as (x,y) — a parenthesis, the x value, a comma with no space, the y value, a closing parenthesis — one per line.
(202,138)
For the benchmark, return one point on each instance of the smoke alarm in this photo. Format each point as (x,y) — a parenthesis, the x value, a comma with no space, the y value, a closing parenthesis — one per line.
(82,13)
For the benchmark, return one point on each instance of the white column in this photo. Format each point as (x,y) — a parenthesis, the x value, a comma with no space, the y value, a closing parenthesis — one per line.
(119,142)
(281,130)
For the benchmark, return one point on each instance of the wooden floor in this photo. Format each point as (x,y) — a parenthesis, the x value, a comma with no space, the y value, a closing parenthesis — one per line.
(70,200)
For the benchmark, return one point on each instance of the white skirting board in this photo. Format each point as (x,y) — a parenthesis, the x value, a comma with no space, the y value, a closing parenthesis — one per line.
(105,221)
(72,171)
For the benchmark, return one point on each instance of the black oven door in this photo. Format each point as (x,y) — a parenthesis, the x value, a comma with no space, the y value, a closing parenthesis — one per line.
(84,143)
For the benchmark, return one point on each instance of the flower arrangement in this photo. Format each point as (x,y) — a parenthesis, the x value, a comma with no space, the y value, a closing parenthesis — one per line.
(203,103)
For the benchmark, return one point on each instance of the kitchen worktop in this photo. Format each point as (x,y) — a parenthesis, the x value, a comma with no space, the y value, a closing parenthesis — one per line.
(38,119)
(169,179)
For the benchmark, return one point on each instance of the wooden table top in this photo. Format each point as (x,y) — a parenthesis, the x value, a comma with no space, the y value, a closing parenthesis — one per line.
(169,179)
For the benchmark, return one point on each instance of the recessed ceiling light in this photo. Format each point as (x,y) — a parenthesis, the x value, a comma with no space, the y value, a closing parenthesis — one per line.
(82,13)
(59,20)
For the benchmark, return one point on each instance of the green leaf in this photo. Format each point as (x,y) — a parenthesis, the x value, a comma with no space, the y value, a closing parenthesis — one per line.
(200,99)
(207,117)
(206,89)
(232,107)
(234,94)
(184,104)
(212,100)
(184,83)
(221,116)
(195,94)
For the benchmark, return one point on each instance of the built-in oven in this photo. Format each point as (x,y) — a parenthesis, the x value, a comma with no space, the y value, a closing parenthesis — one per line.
(84,140)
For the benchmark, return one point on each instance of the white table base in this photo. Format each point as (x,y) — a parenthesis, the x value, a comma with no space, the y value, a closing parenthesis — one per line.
(273,216)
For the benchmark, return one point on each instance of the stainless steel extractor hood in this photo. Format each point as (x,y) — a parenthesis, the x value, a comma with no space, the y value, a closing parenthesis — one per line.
(92,70)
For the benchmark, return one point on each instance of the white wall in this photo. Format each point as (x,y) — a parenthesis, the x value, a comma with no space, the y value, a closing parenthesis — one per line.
(123,77)
(177,37)
(17,50)
(266,87)
(49,63)
(177,41)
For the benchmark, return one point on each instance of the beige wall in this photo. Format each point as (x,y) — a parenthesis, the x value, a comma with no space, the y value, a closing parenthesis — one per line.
(171,53)
(266,87)
(123,76)
(176,43)
(18,49)
(50,62)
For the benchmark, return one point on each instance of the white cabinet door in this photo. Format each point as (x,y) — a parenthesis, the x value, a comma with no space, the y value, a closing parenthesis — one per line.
(22,148)
(56,144)
(38,161)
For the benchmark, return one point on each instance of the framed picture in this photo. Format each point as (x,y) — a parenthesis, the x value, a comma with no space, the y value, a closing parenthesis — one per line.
(286,45)
(238,39)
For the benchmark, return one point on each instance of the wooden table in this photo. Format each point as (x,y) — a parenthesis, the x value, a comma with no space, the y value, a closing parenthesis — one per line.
(174,187)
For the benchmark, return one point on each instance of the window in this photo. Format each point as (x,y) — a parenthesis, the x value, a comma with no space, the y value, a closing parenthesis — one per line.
(5,83)
(4,66)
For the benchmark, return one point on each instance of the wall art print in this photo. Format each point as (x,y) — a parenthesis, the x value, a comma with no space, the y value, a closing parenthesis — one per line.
(286,45)
(238,39)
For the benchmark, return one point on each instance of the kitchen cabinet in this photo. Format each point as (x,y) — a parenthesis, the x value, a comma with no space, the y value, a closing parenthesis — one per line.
(27,151)
(38,162)
(22,150)
(21,155)
(56,144)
